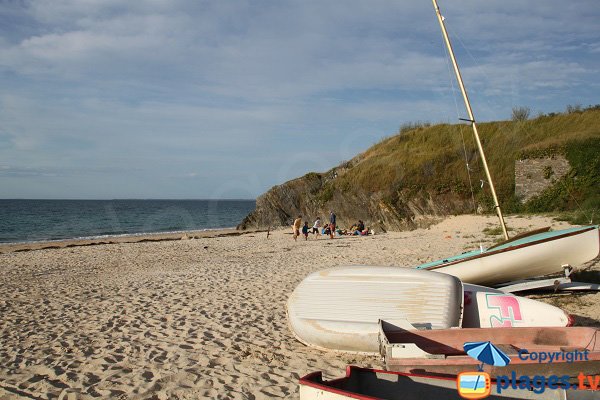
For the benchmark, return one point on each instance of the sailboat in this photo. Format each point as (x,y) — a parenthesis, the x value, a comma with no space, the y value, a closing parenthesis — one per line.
(531,256)
(534,254)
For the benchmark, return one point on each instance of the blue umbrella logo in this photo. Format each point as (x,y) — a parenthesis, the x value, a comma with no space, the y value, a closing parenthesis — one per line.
(487,353)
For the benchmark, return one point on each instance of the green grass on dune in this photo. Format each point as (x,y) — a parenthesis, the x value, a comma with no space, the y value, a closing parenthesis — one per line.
(431,159)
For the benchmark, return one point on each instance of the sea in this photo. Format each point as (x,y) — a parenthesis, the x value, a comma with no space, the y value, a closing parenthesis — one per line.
(46,220)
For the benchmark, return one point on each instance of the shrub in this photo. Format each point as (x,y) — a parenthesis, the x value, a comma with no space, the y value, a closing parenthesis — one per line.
(520,113)
(326,193)
(409,126)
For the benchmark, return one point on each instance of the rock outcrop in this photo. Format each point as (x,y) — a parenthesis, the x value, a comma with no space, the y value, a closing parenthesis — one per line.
(533,176)
(314,195)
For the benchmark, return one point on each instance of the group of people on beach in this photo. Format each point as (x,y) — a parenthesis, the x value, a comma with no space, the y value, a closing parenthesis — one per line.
(328,229)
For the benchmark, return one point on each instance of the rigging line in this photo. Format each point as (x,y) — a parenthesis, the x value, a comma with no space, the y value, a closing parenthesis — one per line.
(461,128)
(475,61)
(451,78)
(482,70)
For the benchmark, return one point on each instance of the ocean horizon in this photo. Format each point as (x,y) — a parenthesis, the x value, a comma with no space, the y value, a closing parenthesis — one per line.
(35,220)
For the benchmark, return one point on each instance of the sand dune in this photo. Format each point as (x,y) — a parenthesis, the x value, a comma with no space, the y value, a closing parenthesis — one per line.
(200,318)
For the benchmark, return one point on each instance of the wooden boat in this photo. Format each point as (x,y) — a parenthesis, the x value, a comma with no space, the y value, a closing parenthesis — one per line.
(441,351)
(340,308)
(372,384)
(534,255)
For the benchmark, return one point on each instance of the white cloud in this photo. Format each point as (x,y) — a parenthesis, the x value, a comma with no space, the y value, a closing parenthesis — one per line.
(169,87)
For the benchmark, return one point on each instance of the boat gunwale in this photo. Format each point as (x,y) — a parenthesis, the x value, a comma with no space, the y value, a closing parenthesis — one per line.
(588,333)
(326,386)
(511,248)
(521,236)
(466,360)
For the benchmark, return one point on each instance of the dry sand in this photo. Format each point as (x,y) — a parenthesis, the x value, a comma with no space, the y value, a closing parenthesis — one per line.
(199,318)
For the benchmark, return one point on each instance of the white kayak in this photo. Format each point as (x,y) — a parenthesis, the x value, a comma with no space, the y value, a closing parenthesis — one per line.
(525,256)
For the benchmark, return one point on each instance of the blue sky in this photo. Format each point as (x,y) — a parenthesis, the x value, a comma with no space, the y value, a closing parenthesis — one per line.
(224,99)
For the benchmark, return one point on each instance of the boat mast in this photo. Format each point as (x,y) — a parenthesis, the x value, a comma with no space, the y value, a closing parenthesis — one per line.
(471,117)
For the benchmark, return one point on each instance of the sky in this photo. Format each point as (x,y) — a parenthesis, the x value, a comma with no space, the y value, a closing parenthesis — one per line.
(172,99)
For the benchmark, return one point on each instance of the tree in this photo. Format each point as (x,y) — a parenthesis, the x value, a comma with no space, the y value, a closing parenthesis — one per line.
(520,113)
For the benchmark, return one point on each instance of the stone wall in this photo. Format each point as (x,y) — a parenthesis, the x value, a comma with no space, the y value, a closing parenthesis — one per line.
(533,176)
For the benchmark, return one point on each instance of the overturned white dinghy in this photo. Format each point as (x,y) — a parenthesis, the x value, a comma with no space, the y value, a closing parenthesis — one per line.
(339,308)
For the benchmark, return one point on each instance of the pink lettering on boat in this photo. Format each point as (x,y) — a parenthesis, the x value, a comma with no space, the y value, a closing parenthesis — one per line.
(508,310)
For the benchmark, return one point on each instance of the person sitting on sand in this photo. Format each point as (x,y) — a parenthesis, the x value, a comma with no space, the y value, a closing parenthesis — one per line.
(296,227)
(360,227)
(305,230)
(317,226)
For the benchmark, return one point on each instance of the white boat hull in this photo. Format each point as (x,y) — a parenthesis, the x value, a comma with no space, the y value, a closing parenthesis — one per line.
(491,308)
(339,308)
(526,260)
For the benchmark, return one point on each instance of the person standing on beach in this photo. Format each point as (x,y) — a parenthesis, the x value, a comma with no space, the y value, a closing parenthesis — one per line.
(296,227)
(305,230)
(317,226)
(331,224)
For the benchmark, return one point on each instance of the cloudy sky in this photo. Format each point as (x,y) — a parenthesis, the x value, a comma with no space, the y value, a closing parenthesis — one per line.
(224,99)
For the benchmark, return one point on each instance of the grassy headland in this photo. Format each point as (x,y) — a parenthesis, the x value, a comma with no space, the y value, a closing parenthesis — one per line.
(432,159)
(419,173)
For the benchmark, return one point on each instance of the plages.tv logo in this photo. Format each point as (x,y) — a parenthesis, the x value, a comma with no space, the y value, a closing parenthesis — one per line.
(477,384)
(473,385)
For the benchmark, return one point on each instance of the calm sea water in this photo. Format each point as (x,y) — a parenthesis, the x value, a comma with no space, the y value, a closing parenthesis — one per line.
(35,220)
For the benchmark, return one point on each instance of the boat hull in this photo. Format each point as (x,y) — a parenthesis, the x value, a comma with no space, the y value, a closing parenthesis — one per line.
(491,308)
(441,352)
(339,308)
(364,383)
(536,255)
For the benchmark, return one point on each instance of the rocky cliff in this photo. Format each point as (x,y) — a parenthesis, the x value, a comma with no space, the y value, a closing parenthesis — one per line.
(419,175)
(315,194)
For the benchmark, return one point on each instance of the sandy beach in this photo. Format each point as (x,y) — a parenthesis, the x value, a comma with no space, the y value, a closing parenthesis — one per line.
(195,318)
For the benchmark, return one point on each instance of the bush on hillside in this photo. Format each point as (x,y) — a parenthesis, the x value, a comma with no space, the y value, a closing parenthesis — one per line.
(520,113)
